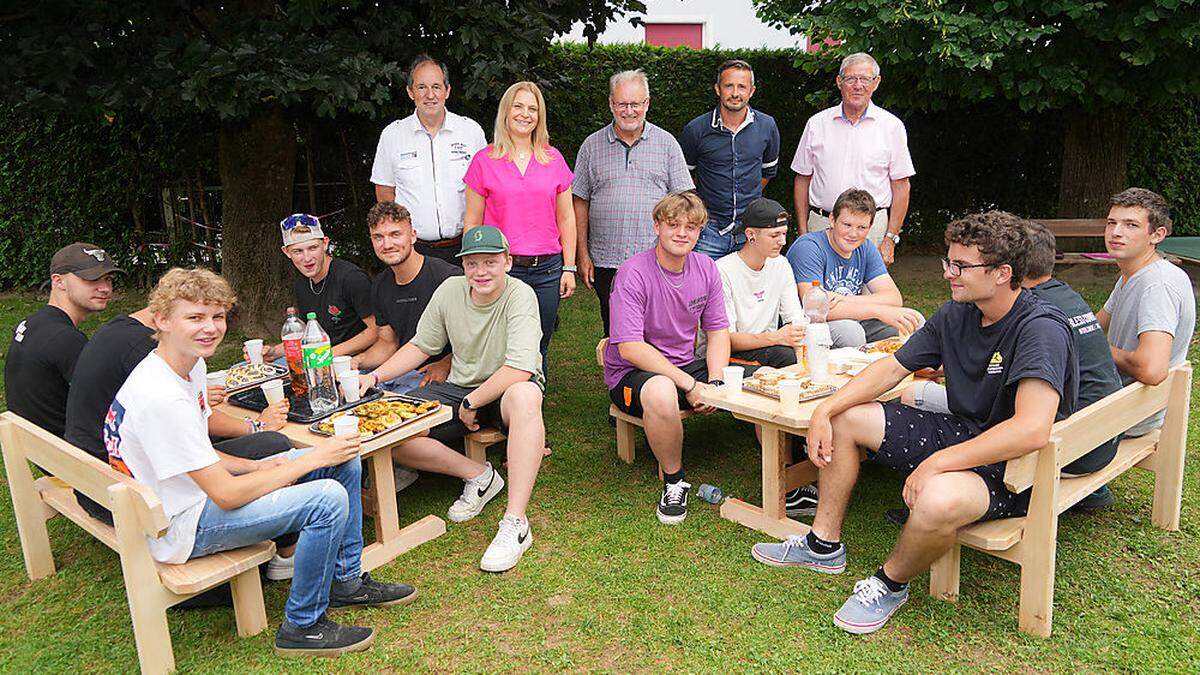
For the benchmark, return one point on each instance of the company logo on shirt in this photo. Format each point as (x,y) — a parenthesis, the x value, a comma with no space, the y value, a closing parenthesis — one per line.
(200,400)
(19,335)
(334,313)
(112,437)
(996,365)
(759,296)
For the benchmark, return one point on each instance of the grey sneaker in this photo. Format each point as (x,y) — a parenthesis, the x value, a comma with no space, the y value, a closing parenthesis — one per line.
(794,552)
(870,607)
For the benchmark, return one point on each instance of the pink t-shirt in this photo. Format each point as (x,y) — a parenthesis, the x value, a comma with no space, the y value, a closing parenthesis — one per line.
(523,207)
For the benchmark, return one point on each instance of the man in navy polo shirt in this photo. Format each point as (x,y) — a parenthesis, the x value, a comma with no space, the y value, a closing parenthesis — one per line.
(734,151)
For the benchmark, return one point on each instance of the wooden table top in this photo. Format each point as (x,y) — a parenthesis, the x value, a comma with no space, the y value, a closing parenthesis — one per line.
(301,437)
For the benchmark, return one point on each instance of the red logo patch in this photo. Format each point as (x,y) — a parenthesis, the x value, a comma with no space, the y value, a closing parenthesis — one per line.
(334,311)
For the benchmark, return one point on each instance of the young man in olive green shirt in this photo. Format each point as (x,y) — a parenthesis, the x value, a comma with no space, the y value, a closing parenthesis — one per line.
(490,321)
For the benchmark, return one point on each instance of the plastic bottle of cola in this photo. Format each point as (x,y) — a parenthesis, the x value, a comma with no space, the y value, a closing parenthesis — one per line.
(816,303)
(292,335)
(318,367)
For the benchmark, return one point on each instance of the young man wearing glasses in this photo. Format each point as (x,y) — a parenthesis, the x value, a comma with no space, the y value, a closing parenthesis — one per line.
(1011,371)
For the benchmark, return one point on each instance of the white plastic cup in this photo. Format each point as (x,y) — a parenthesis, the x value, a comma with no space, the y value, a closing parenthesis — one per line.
(789,394)
(819,342)
(348,382)
(254,351)
(346,425)
(340,365)
(733,376)
(273,391)
(217,379)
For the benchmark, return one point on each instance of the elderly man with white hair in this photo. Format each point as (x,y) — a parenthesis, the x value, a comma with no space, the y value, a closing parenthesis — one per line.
(855,144)
(621,172)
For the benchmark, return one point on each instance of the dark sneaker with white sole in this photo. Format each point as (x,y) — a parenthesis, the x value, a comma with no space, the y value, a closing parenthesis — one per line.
(672,505)
(370,593)
(802,501)
(323,638)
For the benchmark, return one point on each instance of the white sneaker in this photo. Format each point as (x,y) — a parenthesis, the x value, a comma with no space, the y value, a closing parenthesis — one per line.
(404,476)
(512,540)
(476,493)
(280,568)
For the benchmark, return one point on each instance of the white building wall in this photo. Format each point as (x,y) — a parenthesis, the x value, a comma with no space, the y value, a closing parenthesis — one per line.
(730,24)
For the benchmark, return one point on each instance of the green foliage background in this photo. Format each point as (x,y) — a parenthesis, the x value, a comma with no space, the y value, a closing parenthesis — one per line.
(64,178)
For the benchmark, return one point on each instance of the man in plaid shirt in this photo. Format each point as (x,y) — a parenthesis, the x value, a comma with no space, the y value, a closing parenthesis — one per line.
(621,172)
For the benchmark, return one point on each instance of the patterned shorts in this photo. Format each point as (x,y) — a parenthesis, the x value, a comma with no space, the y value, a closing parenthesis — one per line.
(910,436)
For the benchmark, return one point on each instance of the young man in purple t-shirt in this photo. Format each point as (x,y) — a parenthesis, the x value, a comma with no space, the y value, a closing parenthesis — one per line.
(658,298)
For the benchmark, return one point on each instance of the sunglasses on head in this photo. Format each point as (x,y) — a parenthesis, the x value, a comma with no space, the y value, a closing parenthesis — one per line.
(299,220)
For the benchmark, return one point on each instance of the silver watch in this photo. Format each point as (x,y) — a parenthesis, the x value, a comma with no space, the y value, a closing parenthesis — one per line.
(894,236)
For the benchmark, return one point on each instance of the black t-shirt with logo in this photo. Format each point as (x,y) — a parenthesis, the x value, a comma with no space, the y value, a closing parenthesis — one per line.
(37,370)
(105,363)
(984,364)
(341,300)
(400,307)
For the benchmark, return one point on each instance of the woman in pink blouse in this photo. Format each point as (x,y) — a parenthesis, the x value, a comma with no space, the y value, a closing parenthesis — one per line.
(522,185)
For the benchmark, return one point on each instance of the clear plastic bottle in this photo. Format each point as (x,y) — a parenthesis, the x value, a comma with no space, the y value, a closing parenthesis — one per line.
(816,303)
(318,367)
(292,335)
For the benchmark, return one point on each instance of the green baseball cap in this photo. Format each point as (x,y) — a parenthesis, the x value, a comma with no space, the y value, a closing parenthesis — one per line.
(483,239)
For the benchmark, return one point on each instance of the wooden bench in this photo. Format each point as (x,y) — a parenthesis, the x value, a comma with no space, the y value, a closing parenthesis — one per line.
(151,587)
(1031,541)
(627,424)
(476,443)
(1079,228)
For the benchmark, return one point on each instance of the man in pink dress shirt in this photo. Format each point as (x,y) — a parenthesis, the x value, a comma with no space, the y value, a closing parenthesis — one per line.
(855,144)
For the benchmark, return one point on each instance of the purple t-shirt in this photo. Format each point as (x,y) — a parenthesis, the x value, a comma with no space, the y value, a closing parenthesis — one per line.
(524,207)
(650,304)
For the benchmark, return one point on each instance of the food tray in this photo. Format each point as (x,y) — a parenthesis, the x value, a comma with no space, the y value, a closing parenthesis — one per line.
(298,408)
(885,346)
(809,393)
(315,427)
(263,372)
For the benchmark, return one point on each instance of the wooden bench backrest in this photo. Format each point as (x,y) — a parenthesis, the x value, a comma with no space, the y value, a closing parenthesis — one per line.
(1080,433)
(79,469)
(1075,227)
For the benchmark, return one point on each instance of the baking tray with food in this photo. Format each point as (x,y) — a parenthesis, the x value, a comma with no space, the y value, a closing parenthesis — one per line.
(885,346)
(299,410)
(765,382)
(246,375)
(381,416)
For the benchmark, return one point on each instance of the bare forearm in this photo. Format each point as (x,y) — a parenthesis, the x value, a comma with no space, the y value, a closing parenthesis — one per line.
(237,465)
(800,198)
(875,380)
(385,193)
(899,207)
(717,356)
(742,342)
(1139,366)
(242,489)
(358,343)
(222,425)
(852,307)
(644,357)
(566,227)
(581,225)
(1007,440)
(377,354)
(405,359)
(495,386)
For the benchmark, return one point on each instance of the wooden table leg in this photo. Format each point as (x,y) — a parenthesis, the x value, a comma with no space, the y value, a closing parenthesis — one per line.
(771,518)
(390,539)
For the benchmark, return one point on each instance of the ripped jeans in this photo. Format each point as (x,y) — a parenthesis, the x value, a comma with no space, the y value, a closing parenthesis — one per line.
(324,506)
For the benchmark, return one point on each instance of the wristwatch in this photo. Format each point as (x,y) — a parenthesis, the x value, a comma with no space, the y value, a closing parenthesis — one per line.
(467,404)
(255,425)
(717,382)
(894,236)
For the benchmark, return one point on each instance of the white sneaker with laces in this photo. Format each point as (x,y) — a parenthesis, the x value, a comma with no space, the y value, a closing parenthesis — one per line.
(404,476)
(280,568)
(476,493)
(512,540)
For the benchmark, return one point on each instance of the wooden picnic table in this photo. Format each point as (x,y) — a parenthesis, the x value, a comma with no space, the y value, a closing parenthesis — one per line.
(390,539)
(779,473)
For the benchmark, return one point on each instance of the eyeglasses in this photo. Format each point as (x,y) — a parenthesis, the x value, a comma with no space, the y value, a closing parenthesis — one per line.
(956,269)
(629,105)
(858,79)
(299,219)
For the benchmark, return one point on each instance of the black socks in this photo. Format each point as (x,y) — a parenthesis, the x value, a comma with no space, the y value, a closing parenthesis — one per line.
(673,477)
(819,545)
(893,586)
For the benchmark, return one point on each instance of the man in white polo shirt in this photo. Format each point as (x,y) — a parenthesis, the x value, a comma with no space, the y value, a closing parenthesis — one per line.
(855,144)
(421,159)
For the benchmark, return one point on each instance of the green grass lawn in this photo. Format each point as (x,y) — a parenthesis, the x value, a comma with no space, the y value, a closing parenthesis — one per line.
(606,587)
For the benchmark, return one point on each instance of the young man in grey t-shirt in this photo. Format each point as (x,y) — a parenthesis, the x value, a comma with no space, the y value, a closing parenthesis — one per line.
(1150,316)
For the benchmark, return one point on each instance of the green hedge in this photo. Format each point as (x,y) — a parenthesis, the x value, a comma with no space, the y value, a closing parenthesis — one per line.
(63,179)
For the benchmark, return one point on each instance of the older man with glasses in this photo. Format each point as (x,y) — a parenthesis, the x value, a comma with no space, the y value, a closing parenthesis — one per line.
(854,144)
(621,172)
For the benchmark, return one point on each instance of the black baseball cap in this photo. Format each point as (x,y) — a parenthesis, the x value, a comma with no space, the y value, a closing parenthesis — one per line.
(766,213)
(86,261)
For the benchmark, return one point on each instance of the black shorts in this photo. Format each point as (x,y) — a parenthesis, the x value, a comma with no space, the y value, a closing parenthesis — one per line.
(910,436)
(452,395)
(775,356)
(627,395)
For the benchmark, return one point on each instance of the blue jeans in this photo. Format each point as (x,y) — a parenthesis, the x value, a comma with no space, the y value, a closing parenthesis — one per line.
(402,384)
(324,506)
(544,278)
(716,245)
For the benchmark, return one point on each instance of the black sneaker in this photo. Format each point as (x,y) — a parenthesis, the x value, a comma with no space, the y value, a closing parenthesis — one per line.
(371,593)
(323,638)
(1102,498)
(897,516)
(802,501)
(672,506)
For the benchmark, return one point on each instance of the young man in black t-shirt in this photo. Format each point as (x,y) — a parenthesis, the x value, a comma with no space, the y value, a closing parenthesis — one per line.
(336,290)
(1011,371)
(400,294)
(45,345)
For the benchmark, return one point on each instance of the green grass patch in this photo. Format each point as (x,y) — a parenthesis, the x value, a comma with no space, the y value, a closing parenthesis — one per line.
(606,587)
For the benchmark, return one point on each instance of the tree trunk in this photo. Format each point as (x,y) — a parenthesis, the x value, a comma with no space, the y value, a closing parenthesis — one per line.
(1095,158)
(258,167)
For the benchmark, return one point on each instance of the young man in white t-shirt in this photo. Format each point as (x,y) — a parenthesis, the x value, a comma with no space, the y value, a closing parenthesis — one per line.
(156,432)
